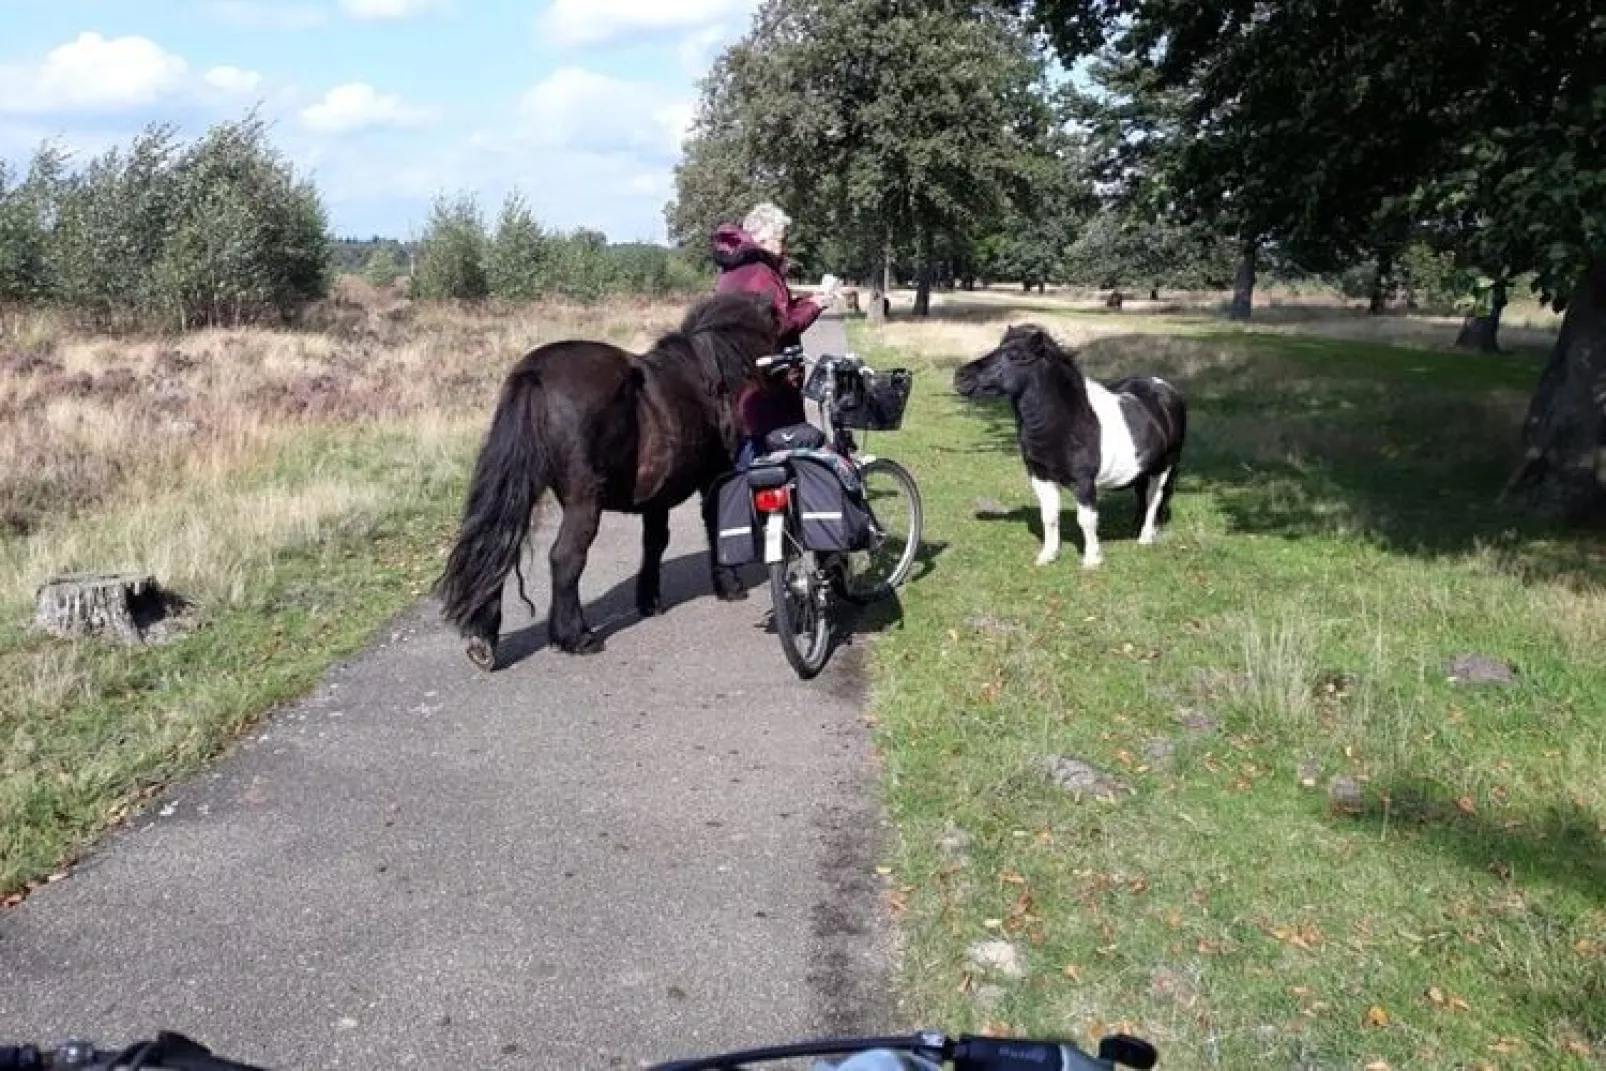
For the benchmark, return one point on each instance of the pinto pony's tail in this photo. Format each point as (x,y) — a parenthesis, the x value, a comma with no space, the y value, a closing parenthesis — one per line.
(512,473)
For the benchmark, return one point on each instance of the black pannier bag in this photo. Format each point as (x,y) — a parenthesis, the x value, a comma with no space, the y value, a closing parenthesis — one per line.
(878,402)
(829,515)
(736,532)
(795,437)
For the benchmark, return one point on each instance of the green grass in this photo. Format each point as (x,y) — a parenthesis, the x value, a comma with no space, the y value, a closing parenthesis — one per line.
(90,729)
(1346,860)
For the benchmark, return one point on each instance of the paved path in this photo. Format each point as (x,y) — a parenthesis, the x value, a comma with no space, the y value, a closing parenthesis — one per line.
(664,849)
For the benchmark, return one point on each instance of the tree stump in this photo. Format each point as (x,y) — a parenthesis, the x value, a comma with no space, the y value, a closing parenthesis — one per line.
(877,311)
(122,606)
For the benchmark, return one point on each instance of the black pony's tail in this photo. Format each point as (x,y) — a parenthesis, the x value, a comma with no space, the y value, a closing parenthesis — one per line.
(512,473)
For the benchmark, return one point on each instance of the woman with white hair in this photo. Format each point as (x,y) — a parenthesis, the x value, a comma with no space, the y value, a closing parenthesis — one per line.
(752,259)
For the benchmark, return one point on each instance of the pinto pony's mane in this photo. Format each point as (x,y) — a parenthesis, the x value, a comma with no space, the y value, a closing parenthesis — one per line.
(724,334)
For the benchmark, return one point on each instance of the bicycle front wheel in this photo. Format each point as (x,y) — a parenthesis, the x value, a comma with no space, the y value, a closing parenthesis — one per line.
(897,518)
(801,623)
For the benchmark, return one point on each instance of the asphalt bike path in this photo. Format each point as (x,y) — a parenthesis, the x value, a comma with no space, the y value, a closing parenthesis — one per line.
(576,862)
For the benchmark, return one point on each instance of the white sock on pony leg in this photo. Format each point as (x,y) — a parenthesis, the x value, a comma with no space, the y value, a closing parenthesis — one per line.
(1048,507)
(1088,518)
(1151,533)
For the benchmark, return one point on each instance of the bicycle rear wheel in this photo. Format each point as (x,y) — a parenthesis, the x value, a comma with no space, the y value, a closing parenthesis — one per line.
(801,623)
(894,500)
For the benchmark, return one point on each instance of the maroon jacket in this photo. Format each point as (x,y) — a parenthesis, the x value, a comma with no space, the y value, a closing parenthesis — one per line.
(745,266)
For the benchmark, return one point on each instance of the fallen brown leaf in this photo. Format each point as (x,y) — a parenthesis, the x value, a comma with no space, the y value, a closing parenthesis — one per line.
(1377,1017)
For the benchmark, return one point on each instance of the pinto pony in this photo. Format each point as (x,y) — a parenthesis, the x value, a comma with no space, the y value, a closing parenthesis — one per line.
(1083,434)
(602,429)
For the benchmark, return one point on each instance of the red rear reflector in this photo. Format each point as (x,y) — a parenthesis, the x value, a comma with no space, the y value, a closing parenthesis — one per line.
(770,499)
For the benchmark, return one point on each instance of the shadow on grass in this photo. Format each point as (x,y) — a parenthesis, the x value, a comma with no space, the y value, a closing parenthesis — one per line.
(1302,437)
(1562,846)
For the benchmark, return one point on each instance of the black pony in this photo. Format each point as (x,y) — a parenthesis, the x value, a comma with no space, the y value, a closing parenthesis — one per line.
(1083,434)
(602,429)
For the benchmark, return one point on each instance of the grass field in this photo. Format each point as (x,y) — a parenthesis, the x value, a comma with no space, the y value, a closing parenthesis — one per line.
(297,486)
(1330,855)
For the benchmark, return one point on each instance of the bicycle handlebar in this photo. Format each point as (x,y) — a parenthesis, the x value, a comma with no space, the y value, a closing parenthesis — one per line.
(968,1052)
(168,1052)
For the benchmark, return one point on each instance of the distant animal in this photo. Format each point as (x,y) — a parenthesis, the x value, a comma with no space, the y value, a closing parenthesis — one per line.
(1085,435)
(603,429)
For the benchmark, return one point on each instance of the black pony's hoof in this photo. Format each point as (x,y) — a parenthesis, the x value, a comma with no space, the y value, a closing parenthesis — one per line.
(651,608)
(587,642)
(728,589)
(482,652)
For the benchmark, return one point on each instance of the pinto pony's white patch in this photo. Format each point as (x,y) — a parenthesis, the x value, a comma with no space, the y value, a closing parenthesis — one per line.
(1118,454)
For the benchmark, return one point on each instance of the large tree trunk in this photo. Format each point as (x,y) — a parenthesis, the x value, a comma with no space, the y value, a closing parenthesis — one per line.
(1380,285)
(1482,333)
(923,266)
(1243,287)
(1564,438)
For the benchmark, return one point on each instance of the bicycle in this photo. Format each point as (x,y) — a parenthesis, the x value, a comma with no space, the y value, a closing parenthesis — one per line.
(926,1049)
(828,533)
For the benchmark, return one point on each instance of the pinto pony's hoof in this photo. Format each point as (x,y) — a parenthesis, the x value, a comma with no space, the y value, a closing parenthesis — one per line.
(482,652)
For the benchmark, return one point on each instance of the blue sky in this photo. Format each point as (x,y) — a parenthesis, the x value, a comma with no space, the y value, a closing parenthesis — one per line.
(581,104)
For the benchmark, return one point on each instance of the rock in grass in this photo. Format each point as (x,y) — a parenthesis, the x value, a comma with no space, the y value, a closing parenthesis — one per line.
(1084,779)
(1480,669)
(998,957)
(990,507)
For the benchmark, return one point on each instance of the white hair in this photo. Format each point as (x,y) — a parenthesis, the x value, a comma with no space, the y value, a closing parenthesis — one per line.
(766,222)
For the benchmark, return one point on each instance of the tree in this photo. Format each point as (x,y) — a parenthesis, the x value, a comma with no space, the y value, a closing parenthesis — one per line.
(451,252)
(880,125)
(1318,115)
(26,216)
(516,259)
(384,267)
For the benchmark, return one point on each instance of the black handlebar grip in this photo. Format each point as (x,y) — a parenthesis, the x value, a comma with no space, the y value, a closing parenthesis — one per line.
(1014,1054)
(20,1058)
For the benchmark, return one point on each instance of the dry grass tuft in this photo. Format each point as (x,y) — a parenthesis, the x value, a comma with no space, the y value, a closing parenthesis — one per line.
(151,434)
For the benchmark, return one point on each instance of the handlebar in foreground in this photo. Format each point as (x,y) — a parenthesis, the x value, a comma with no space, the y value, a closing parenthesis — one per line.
(968,1052)
(168,1052)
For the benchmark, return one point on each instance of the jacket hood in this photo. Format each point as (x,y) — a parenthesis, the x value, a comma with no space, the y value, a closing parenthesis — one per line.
(734,247)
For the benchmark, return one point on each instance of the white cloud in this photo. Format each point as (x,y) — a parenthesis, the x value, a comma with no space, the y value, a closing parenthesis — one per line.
(233,80)
(590,22)
(385,9)
(261,15)
(92,73)
(357,105)
(581,110)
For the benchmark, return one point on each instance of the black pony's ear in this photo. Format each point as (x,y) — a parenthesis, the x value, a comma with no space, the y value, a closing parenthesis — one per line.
(1028,342)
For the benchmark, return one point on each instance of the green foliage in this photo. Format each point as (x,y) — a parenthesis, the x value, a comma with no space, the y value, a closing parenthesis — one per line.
(879,126)
(1122,249)
(383,267)
(523,261)
(517,256)
(451,257)
(1322,124)
(162,234)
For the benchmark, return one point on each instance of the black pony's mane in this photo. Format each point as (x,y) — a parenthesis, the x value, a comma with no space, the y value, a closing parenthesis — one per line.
(724,334)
